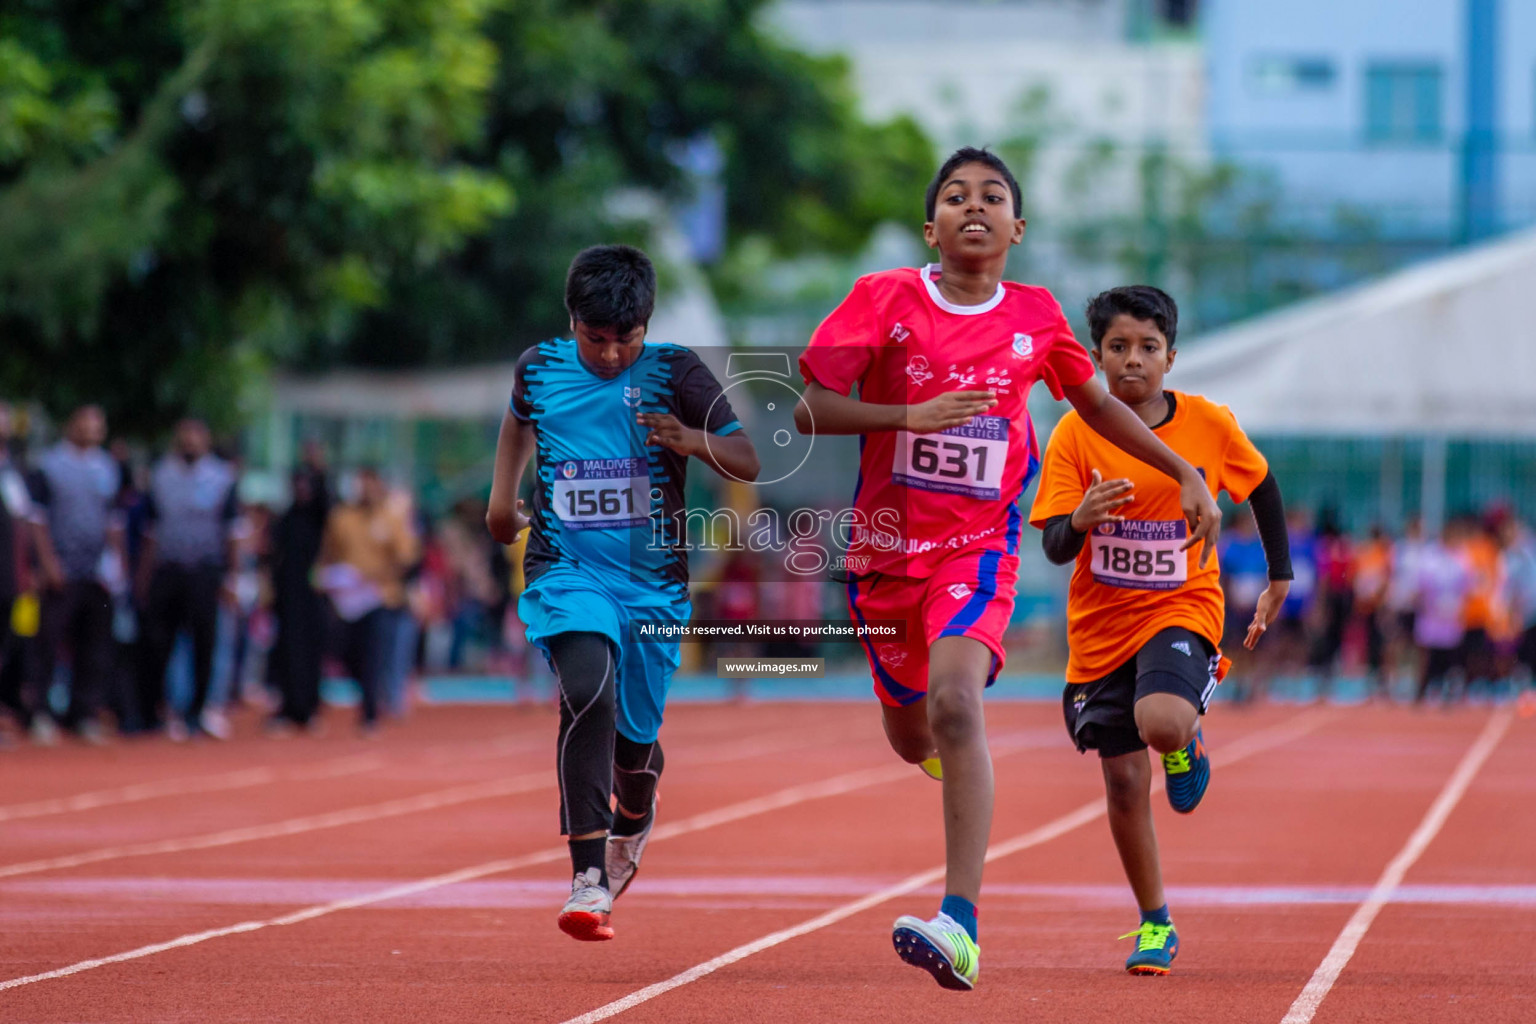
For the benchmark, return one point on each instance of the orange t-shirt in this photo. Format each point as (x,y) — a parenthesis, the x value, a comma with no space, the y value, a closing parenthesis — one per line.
(1131,579)
(1373,574)
(1482,555)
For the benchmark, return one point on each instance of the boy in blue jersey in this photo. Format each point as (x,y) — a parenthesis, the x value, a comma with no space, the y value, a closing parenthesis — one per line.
(612,422)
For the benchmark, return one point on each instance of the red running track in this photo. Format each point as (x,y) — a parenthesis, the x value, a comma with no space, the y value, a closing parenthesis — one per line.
(416,878)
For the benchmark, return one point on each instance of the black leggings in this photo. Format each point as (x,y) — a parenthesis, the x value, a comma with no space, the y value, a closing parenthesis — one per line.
(1439,662)
(179,597)
(592,759)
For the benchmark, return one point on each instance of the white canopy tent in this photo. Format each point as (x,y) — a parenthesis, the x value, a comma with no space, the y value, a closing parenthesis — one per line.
(1445,349)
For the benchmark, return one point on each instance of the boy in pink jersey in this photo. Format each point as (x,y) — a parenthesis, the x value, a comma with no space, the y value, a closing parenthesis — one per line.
(944,358)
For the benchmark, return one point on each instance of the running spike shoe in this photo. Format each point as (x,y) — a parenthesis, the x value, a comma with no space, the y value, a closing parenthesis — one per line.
(1188,773)
(623,855)
(941,947)
(585,914)
(1156,946)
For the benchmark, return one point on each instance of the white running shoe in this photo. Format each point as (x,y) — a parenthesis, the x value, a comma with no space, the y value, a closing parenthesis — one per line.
(91,733)
(623,856)
(213,723)
(43,732)
(942,947)
(585,914)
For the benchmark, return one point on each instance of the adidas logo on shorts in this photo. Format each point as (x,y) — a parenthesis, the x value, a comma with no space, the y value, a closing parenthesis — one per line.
(1183,645)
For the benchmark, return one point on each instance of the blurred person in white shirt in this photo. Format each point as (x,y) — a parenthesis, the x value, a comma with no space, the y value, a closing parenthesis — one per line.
(1520,588)
(1402,597)
(1439,627)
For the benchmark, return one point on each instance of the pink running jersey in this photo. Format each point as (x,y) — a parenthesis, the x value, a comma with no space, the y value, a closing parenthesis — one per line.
(920,498)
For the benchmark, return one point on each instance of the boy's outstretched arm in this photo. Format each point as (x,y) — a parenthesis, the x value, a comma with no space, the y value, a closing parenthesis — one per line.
(1113,419)
(1269,515)
(823,411)
(733,455)
(514,447)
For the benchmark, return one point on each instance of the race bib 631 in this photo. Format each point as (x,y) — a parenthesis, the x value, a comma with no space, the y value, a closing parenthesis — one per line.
(966,460)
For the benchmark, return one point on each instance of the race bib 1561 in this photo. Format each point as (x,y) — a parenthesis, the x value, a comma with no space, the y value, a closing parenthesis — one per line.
(608,494)
(1140,553)
(967,460)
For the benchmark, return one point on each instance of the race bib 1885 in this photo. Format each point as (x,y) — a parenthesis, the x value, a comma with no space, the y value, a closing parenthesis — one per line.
(967,460)
(1140,553)
(608,494)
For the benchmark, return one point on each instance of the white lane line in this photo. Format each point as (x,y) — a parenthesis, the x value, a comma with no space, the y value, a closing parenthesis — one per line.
(241,779)
(141,791)
(353,764)
(1306,1004)
(290,827)
(435,800)
(429,801)
(1238,750)
(835,786)
(331,768)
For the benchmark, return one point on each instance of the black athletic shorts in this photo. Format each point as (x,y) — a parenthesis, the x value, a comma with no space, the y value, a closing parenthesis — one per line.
(1101,715)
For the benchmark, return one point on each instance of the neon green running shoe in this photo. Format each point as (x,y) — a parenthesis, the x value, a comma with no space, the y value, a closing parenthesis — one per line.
(941,947)
(1156,946)
(932,768)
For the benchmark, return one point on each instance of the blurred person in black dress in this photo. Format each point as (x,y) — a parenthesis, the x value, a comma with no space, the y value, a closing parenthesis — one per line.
(301,612)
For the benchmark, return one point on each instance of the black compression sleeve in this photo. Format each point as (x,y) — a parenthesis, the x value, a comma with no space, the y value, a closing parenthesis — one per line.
(584,667)
(1269,514)
(1061,542)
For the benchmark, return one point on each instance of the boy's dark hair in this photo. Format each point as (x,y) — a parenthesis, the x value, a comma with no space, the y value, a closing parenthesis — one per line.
(611,286)
(1141,301)
(971,155)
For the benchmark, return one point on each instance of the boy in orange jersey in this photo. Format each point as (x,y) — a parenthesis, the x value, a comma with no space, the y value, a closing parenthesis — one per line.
(1144,616)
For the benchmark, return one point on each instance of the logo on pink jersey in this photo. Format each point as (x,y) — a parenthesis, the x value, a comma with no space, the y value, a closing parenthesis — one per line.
(959,591)
(966,379)
(900,333)
(917,369)
(1023,346)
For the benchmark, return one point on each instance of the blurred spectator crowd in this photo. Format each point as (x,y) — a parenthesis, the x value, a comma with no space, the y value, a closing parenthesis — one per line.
(140,595)
(1417,616)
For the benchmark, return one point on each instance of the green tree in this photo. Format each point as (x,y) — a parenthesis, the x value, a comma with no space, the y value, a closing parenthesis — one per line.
(225,184)
(594,96)
(193,191)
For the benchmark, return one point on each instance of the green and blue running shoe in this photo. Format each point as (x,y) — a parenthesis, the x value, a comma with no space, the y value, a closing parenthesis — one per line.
(941,947)
(1156,946)
(1188,772)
